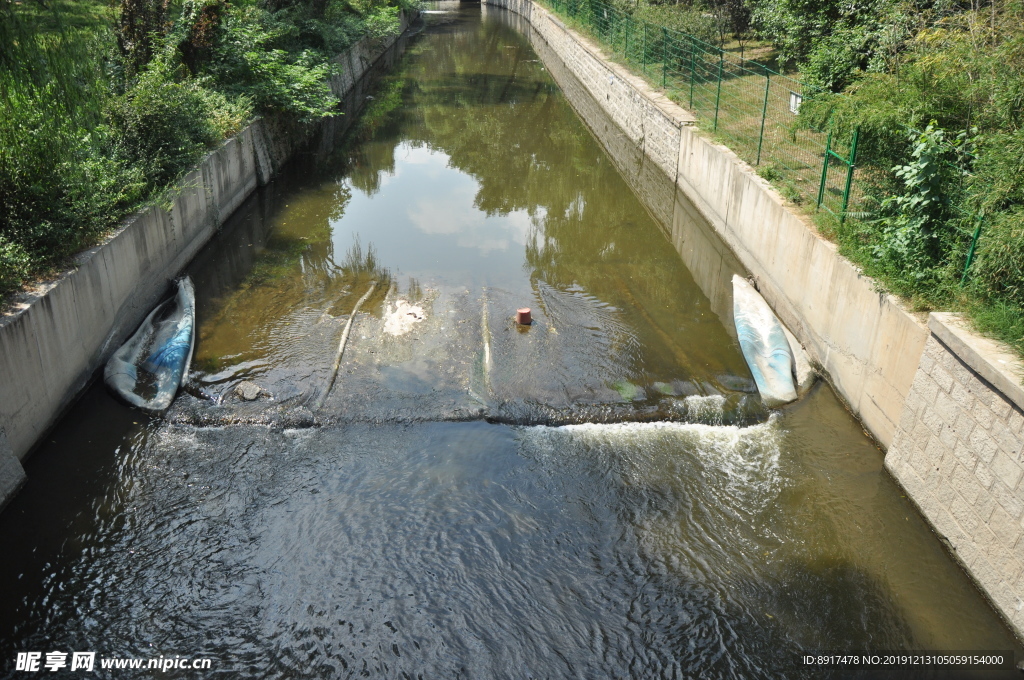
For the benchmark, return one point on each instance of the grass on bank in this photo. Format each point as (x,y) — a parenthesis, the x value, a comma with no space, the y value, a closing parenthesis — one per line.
(51,16)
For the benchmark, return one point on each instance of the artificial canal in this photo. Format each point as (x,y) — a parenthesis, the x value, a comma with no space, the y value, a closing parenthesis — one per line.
(598,495)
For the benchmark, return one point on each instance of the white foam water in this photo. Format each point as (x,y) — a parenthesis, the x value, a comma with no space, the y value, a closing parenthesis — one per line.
(739,465)
(709,410)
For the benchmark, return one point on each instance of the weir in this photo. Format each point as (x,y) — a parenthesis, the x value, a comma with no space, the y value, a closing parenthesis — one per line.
(599,494)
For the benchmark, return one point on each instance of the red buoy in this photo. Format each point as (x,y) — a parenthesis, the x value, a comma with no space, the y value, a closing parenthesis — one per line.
(523,316)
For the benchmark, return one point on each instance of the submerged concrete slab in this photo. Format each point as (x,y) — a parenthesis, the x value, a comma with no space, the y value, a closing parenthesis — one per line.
(459,356)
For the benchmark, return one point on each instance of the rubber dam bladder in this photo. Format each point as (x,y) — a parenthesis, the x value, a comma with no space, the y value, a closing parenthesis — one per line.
(375,470)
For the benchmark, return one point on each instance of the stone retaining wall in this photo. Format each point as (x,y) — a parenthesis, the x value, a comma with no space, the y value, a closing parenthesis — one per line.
(55,338)
(959,453)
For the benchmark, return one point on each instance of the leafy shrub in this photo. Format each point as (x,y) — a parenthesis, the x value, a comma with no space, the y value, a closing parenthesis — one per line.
(15,264)
(834,62)
(690,20)
(383,23)
(51,97)
(228,114)
(250,60)
(162,124)
(794,26)
(914,229)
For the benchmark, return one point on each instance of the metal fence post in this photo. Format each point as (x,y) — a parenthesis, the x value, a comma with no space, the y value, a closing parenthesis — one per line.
(718,96)
(764,114)
(643,56)
(693,67)
(664,56)
(824,170)
(970,252)
(849,173)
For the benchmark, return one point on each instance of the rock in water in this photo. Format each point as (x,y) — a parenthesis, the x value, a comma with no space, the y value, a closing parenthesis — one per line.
(248,391)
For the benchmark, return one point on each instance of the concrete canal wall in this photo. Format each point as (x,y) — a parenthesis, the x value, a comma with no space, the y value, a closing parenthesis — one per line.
(945,403)
(55,338)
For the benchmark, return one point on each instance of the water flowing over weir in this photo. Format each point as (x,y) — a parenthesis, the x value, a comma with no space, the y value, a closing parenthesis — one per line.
(598,495)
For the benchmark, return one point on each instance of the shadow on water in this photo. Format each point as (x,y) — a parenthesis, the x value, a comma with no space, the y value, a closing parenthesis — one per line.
(674,528)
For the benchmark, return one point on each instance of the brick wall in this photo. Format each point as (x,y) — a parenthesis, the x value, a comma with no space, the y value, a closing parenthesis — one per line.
(958,453)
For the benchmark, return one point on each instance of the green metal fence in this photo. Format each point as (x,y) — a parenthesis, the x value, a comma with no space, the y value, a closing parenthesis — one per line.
(750,106)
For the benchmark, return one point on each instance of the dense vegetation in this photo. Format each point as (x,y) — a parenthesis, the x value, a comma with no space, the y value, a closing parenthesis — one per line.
(937,92)
(936,88)
(101,110)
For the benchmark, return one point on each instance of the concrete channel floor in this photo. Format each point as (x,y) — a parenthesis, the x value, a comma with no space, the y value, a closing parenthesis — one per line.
(452,353)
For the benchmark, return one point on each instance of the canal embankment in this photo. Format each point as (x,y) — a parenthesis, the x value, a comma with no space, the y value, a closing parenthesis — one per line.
(943,402)
(56,337)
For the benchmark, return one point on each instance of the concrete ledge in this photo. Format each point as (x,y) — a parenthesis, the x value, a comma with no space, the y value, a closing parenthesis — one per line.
(990,359)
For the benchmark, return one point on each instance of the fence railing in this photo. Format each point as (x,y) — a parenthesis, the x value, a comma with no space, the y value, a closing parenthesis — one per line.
(749,105)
